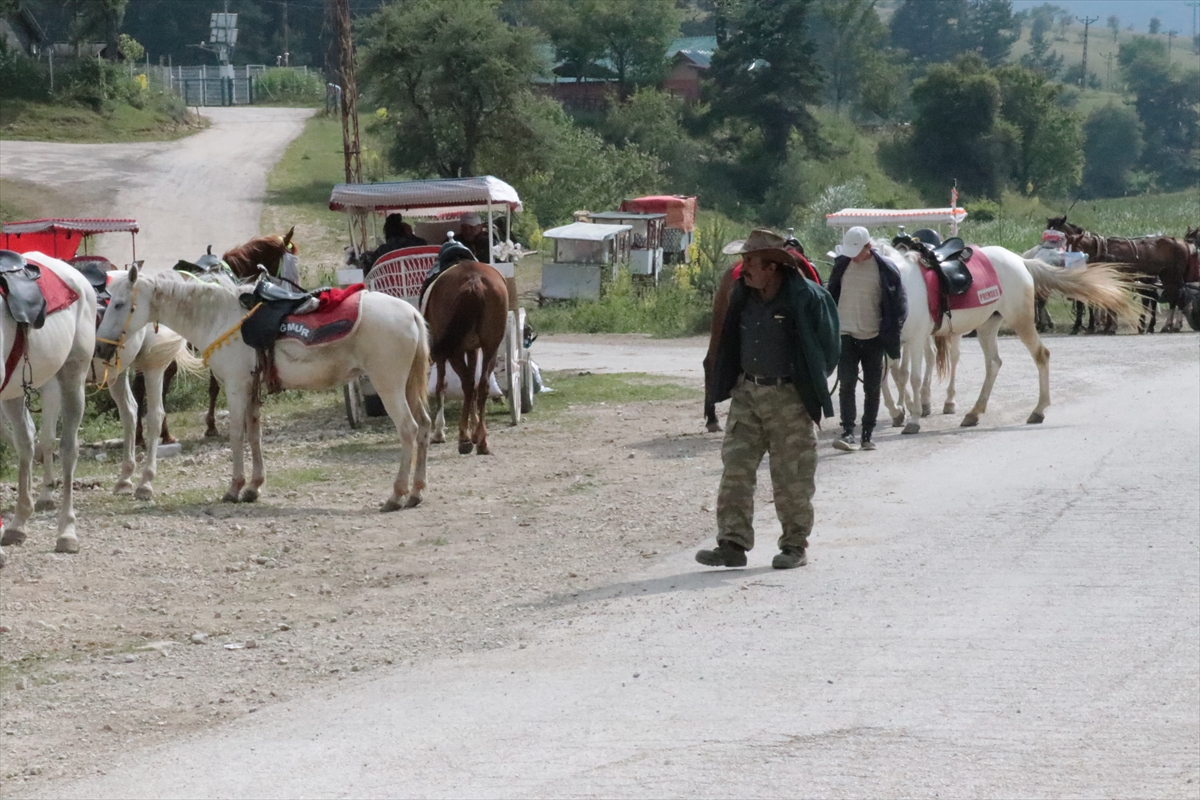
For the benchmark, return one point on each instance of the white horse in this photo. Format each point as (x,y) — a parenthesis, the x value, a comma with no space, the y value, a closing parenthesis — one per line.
(1021,281)
(390,345)
(58,353)
(145,350)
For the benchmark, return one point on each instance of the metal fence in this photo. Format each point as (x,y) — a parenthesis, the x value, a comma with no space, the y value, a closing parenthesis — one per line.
(204,85)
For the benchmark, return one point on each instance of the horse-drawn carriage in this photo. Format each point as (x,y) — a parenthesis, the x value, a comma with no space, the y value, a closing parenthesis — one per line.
(62,238)
(434,209)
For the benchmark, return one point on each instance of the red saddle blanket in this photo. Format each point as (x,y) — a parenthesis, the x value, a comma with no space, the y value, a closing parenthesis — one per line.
(985,286)
(56,291)
(335,317)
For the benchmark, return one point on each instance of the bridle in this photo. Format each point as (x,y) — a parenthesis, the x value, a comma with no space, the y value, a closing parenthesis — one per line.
(119,342)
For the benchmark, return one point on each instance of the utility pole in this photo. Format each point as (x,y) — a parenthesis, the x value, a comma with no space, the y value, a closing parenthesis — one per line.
(286,49)
(1108,73)
(1087,22)
(350,139)
(1195,6)
(1170,38)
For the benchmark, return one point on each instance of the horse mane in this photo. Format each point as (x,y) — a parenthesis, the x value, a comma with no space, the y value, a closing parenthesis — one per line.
(196,300)
(265,250)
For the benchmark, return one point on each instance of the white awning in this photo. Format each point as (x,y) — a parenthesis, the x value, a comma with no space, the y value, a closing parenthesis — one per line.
(87,227)
(849,217)
(585,231)
(431,198)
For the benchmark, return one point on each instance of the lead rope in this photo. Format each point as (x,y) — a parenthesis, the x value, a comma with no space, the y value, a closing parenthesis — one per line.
(27,380)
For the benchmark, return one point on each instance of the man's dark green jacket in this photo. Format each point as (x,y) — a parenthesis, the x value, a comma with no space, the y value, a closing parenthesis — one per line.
(812,321)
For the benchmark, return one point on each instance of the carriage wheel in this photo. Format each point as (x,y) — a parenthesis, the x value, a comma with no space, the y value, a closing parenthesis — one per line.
(512,351)
(354,404)
(526,367)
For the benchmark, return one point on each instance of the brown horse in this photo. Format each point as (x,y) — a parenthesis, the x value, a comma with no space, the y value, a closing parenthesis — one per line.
(466,307)
(243,261)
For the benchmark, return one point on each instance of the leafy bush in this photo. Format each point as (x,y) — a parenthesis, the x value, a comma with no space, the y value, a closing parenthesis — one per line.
(21,78)
(670,309)
(283,85)
(983,210)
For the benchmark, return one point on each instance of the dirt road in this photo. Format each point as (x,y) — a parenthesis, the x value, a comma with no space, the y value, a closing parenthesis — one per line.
(200,190)
(1005,611)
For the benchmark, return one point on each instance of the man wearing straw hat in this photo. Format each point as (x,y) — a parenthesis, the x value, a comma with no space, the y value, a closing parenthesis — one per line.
(778,346)
(872,308)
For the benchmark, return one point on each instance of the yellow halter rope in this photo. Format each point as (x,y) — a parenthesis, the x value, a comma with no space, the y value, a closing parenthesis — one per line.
(120,340)
(224,338)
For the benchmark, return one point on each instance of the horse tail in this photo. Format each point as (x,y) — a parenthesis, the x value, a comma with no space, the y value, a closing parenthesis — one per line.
(1105,285)
(189,364)
(942,358)
(469,307)
(416,389)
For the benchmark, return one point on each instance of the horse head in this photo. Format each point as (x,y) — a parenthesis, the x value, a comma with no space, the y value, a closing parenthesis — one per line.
(1061,224)
(288,245)
(1192,236)
(124,313)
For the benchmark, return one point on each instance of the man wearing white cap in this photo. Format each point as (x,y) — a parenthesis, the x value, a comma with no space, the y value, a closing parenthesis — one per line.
(872,308)
(472,231)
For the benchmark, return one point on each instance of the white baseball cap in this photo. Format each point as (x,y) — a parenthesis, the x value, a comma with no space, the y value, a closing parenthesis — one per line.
(471,218)
(853,242)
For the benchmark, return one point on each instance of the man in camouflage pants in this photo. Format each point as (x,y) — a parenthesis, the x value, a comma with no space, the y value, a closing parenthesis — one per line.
(777,348)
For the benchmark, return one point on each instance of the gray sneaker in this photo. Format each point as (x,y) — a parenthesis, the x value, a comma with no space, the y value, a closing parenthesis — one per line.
(790,558)
(846,443)
(724,555)
(867,444)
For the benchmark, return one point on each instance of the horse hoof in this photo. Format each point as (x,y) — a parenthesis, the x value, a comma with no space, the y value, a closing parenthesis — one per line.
(169,440)
(250,495)
(123,487)
(911,428)
(437,438)
(413,501)
(926,410)
(230,497)
(970,421)
(713,427)
(464,448)
(898,421)
(390,505)
(3,558)
(44,504)
(1035,418)
(211,433)
(12,536)
(948,408)
(145,492)
(67,543)
(483,450)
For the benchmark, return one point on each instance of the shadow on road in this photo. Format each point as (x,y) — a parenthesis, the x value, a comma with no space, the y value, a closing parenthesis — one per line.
(699,580)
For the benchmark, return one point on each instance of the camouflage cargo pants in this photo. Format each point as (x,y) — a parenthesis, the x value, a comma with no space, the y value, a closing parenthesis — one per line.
(767,419)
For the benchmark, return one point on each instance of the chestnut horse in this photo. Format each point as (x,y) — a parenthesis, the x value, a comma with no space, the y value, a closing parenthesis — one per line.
(466,307)
(271,252)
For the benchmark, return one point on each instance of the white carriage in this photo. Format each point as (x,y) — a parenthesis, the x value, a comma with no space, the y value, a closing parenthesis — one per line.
(433,208)
(872,218)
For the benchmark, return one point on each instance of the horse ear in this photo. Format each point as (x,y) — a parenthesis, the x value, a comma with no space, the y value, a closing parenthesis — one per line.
(287,237)
(133,274)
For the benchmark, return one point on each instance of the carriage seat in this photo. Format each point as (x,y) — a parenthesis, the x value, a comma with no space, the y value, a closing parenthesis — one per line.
(19,284)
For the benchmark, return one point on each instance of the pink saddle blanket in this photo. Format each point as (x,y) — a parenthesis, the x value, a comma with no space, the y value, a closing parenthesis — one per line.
(984,290)
(335,318)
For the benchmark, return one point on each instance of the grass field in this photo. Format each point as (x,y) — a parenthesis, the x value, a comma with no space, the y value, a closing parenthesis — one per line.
(42,122)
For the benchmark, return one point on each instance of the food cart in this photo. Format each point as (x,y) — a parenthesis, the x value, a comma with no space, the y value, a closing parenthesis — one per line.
(679,231)
(586,256)
(433,207)
(646,243)
(62,238)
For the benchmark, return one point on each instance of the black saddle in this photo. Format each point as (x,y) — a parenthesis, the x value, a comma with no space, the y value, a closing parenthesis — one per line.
(952,257)
(929,236)
(203,265)
(262,328)
(19,279)
(451,253)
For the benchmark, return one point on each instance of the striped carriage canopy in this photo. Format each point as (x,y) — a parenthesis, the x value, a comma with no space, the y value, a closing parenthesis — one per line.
(873,217)
(58,237)
(430,199)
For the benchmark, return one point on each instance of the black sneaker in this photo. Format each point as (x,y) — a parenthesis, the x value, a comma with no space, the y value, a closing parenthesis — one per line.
(725,554)
(790,558)
(846,443)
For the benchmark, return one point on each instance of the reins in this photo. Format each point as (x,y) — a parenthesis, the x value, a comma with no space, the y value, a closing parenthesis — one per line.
(224,338)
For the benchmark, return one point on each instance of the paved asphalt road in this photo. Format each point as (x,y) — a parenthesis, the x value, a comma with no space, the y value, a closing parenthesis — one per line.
(1009,611)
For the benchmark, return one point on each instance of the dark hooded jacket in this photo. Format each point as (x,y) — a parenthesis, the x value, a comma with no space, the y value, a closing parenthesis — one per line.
(812,322)
(893,305)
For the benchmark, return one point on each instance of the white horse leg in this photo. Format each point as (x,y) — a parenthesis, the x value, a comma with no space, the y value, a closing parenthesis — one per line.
(439,425)
(122,395)
(927,379)
(955,344)
(886,390)
(391,392)
(254,434)
(22,437)
(70,381)
(237,397)
(900,377)
(153,431)
(47,434)
(992,362)
(1041,357)
(914,390)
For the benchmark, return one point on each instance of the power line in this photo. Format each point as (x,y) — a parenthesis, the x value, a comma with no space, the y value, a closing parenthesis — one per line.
(1087,23)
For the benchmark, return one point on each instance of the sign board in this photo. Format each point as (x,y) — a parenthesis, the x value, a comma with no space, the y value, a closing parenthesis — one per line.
(223,29)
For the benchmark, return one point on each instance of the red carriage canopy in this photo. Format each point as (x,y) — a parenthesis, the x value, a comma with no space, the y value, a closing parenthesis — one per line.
(680,209)
(57,237)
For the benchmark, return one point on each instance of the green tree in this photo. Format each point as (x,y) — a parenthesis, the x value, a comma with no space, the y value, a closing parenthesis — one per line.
(988,28)
(1041,58)
(1049,155)
(765,74)
(1114,25)
(849,37)
(1113,145)
(627,37)
(1167,107)
(957,133)
(652,121)
(98,18)
(451,76)
(928,29)
(1155,25)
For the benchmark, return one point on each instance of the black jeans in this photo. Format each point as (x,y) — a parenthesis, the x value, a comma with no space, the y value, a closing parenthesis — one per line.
(869,354)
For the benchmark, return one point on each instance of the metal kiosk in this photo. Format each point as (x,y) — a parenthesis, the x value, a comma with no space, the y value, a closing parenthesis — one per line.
(586,257)
(646,246)
(434,207)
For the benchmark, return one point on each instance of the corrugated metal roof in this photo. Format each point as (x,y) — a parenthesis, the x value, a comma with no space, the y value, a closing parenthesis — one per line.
(83,226)
(585,231)
(461,194)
